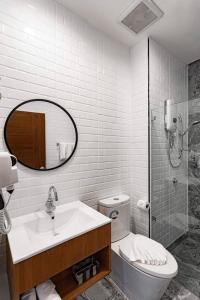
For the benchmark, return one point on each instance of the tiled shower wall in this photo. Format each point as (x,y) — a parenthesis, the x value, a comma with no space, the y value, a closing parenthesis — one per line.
(48,52)
(168,80)
(194,80)
(194,147)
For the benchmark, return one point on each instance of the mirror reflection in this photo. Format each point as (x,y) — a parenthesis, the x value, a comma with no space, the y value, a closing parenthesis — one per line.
(41,134)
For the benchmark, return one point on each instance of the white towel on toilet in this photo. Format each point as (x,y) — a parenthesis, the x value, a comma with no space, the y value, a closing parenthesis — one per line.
(46,291)
(144,250)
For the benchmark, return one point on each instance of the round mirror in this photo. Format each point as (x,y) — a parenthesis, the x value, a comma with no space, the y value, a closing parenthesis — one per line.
(41,134)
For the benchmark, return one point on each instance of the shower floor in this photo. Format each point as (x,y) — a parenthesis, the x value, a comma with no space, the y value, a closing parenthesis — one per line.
(186,285)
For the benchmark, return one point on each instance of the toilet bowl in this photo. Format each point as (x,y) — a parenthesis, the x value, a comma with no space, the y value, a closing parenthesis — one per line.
(138,281)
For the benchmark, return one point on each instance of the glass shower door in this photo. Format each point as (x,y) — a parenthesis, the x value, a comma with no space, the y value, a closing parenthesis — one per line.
(168,172)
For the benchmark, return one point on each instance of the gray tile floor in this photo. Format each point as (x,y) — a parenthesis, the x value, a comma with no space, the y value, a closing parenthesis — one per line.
(177,291)
(186,250)
(104,291)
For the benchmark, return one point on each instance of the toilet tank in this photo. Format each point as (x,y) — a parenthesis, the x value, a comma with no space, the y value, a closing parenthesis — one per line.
(118,209)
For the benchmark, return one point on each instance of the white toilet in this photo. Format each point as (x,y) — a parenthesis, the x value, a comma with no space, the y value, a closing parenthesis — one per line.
(138,281)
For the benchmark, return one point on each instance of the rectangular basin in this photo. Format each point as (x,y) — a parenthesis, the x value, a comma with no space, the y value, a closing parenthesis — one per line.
(36,232)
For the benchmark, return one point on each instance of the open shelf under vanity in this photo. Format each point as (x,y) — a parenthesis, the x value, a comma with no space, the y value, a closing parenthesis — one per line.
(68,288)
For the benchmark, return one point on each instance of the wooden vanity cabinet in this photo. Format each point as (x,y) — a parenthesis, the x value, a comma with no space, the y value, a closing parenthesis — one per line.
(56,263)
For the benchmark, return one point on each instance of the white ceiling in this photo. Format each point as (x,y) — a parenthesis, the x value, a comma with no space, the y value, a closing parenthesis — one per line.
(178,30)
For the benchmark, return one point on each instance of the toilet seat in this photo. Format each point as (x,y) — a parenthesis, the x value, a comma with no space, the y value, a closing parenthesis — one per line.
(168,270)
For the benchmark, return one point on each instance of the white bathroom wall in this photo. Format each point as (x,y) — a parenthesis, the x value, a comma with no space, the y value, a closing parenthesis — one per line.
(48,52)
(168,80)
(139,135)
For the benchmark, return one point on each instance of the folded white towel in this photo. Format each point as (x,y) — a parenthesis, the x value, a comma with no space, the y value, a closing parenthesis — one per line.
(46,291)
(69,149)
(29,295)
(62,150)
(144,250)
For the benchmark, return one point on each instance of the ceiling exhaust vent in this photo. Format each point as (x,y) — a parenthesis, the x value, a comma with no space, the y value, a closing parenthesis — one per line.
(140,15)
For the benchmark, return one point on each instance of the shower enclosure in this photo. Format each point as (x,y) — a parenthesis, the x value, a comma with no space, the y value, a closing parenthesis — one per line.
(174,163)
(169,174)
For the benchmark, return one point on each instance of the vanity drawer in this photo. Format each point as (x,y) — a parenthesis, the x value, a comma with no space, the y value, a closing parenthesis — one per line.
(41,267)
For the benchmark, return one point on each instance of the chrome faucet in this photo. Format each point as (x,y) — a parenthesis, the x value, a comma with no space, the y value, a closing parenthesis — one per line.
(50,206)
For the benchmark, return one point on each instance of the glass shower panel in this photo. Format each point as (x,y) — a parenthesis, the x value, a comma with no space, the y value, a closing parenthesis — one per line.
(194,166)
(169,171)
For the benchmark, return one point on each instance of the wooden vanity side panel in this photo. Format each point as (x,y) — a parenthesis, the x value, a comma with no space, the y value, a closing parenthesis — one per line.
(13,278)
(43,266)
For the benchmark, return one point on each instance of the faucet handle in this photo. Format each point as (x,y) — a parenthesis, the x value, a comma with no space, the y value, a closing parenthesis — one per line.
(50,205)
(50,198)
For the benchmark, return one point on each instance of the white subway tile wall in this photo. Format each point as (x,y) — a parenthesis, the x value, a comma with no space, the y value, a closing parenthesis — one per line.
(168,80)
(139,136)
(48,52)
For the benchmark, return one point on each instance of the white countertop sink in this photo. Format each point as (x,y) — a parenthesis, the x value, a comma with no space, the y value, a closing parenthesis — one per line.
(36,232)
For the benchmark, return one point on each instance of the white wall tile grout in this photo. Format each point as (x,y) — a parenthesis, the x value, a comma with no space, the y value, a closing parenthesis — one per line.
(48,52)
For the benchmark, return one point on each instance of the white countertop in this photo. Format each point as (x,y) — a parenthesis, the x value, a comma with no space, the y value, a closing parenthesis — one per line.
(37,232)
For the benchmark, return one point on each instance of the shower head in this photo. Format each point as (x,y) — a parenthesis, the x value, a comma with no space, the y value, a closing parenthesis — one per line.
(193,124)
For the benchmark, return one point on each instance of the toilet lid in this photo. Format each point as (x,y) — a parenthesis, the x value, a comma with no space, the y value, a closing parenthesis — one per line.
(169,270)
(115,201)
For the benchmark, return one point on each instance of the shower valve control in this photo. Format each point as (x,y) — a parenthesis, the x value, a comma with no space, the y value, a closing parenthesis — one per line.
(154,219)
